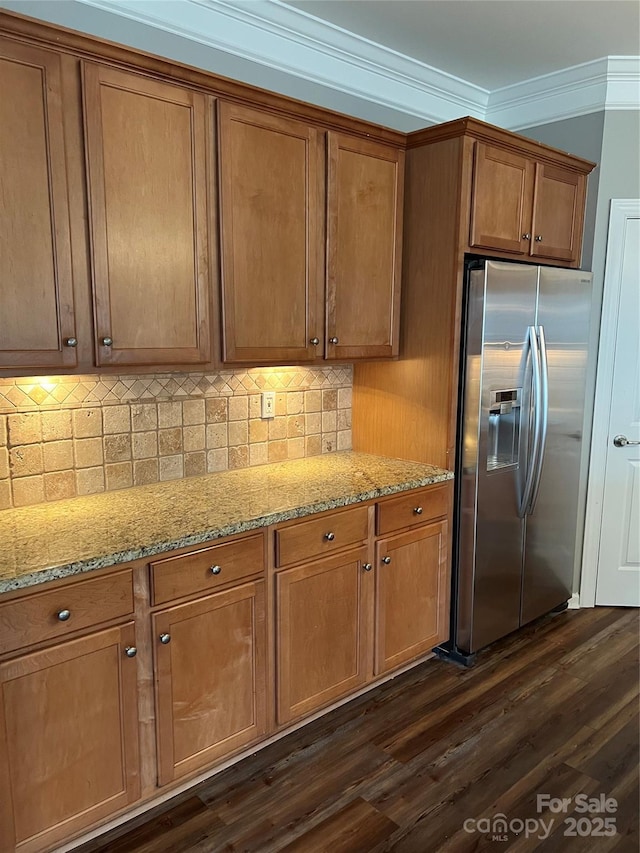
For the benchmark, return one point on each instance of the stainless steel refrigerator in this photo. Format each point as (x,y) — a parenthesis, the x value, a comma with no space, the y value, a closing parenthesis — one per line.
(518,504)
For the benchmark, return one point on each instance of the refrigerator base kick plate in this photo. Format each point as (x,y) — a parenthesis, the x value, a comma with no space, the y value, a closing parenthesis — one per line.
(447,652)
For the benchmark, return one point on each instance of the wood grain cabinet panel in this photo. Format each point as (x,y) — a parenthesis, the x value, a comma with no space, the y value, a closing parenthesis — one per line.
(205,569)
(146,170)
(414,508)
(364,248)
(271,204)
(412,596)
(558,213)
(522,206)
(321,633)
(210,678)
(68,739)
(38,617)
(329,532)
(501,200)
(36,293)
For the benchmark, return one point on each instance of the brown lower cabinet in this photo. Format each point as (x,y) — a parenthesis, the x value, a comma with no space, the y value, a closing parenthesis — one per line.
(354,593)
(68,738)
(321,632)
(412,601)
(210,678)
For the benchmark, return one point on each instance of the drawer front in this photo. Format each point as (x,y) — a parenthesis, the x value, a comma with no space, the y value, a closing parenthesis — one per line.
(324,535)
(41,616)
(206,569)
(412,508)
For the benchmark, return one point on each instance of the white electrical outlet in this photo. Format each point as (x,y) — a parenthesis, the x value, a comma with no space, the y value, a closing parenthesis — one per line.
(268,404)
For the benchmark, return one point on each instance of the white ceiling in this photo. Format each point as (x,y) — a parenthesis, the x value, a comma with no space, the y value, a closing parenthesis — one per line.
(491,43)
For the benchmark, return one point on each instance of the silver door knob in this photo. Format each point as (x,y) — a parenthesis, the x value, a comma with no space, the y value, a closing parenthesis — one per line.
(165,639)
(215,570)
(329,536)
(333,340)
(130,651)
(71,342)
(386,560)
(64,615)
(367,567)
(418,510)
(106,342)
(526,236)
(623,441)
(314,341)
(538,238)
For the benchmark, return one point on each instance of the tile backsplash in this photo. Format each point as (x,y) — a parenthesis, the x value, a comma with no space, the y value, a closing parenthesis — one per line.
(78,435)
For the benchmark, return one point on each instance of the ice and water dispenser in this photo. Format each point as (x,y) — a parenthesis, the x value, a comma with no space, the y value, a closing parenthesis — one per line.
(503,444)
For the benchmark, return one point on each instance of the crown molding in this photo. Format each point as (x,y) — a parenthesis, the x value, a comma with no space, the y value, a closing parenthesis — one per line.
(611,83)
(275,36)
(280,37)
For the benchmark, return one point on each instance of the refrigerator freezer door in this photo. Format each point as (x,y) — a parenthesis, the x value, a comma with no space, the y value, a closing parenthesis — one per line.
(550,541)
(501,305)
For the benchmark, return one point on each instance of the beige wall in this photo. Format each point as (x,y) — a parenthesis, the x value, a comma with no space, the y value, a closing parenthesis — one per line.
(67,436)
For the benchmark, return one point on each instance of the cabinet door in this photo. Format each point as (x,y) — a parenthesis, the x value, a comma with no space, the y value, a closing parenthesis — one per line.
(558,213)
(68,738)
(364,248)
(36,294)
(271,219)
(210,678)
(146,150)
(412,595)
(321,633)
(501,200)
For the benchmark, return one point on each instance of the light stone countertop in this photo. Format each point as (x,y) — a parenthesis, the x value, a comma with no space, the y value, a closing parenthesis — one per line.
(63,538)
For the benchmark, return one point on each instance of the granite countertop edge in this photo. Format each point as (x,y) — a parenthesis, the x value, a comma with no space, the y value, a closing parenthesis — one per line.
(201,537)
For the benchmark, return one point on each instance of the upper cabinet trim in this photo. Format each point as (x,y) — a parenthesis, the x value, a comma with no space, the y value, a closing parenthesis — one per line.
(130,59)
(497,136)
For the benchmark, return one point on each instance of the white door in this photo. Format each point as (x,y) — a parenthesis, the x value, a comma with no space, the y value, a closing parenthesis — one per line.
(618,565)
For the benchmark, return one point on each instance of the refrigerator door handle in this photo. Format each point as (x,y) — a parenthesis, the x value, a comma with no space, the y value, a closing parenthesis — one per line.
(536,405)
(544,394)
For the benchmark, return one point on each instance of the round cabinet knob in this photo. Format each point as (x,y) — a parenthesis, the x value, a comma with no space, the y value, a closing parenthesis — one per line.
(526,236)
(314,341)
(215,570)
(106,342)
(333,341)
(538,238)
(130,651)
(386,560)
(367,567)
(417,510)
(64,615)
(329,536)
(71,342)
(165,639)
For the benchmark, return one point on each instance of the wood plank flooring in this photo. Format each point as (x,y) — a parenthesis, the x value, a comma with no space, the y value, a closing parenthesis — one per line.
(553,709)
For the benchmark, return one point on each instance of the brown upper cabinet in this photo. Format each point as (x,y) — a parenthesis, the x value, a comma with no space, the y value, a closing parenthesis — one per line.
(277,203)
(471,188)
(305,206)
(364,248)
(271,233)
(37,326)
(146,144)
(526,207)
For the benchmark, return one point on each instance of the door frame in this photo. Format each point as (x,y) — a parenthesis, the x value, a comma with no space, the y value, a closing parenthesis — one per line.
(621,210)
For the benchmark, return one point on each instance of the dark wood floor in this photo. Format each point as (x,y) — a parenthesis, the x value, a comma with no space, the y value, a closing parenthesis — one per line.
(550,710)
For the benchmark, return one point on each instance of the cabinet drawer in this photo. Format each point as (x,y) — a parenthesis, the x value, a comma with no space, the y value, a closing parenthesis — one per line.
(412,508)
(323,535)
(37,617)
(206,569)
